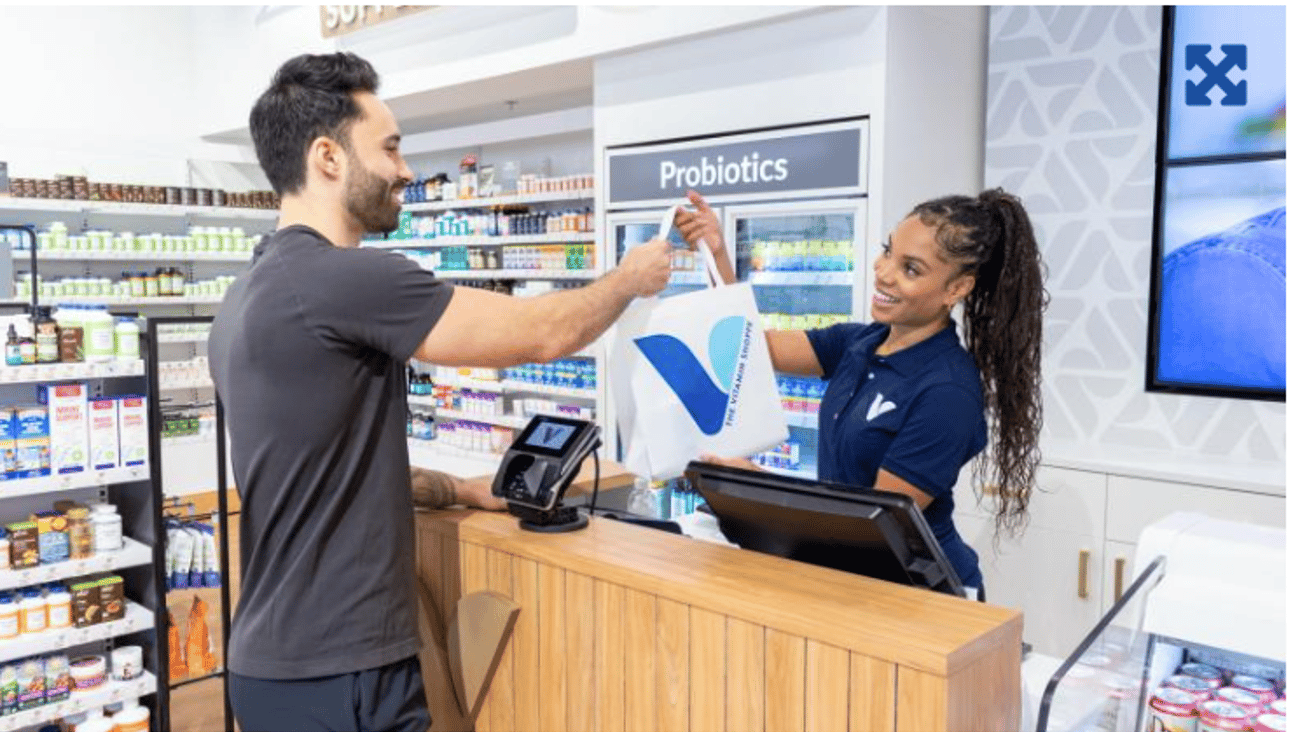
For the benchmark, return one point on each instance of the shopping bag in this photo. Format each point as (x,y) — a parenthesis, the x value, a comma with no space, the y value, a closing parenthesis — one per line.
(692,374)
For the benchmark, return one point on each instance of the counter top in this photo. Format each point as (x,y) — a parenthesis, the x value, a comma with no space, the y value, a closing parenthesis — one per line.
(924,630)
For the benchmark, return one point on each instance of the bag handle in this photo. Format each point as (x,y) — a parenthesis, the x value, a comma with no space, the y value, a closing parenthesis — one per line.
(666,225)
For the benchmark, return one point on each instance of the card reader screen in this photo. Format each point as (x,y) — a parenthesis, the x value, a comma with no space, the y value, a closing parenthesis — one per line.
(550,436)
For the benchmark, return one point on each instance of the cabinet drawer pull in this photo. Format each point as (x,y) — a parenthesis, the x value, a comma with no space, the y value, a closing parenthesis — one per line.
(1085,557)
(1119,578)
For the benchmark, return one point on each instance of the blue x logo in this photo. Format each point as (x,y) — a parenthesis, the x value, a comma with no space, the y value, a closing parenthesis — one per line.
(1234,55)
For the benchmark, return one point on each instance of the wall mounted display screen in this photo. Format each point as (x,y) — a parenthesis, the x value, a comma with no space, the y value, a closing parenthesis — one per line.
(1218,275)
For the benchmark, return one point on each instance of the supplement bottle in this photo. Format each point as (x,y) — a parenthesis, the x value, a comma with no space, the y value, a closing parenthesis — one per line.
(108,527)
(13,352)
(126,341)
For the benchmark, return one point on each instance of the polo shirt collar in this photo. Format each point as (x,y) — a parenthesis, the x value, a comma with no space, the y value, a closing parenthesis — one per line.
(914,357)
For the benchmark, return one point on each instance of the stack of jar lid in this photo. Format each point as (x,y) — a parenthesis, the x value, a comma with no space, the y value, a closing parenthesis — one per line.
(1203,698)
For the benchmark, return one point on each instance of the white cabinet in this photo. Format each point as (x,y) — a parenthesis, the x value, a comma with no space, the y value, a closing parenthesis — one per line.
(1133,503)
(1053,571)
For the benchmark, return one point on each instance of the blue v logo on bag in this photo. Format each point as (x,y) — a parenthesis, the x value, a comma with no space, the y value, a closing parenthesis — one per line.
(709,395)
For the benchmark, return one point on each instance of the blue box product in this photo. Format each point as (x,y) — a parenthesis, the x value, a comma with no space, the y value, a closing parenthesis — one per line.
(8,449)
(31,426)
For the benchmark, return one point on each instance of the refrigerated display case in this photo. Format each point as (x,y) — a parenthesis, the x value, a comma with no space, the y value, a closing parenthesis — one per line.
(803,260)
(1197,642)
(793,207)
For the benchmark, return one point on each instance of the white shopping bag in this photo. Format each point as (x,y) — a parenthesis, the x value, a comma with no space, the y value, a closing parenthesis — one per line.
(692,374)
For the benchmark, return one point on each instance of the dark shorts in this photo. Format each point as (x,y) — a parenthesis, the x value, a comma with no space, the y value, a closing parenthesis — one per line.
(376,700)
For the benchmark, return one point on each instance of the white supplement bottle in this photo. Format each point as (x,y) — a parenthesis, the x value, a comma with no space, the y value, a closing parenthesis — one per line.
(108,527)
(33,612)
(126,339)
(59,602)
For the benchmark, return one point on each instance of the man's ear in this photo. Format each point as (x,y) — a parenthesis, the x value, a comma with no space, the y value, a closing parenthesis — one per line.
(327,158)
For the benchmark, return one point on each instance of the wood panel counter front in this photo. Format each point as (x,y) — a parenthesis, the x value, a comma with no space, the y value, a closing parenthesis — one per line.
(627,628)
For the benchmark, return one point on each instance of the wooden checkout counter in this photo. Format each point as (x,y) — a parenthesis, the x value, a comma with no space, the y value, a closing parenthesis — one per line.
(627,628)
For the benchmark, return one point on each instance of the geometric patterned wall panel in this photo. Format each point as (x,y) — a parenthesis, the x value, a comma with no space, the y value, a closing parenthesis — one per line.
(1071,129)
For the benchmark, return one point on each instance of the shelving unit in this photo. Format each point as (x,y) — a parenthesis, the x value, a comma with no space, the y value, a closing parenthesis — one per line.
(450,459)
(806,420)
(110,693)
(137,618)
(130,489)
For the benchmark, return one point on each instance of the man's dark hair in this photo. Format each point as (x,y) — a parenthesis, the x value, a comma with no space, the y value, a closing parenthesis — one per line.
(309,97)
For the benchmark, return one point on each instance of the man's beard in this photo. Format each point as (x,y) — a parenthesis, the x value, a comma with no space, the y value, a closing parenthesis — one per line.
(370,199)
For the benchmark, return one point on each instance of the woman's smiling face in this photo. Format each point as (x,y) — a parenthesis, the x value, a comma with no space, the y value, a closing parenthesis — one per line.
(915,285)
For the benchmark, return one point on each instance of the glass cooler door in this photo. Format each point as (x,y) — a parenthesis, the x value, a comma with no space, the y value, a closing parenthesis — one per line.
(628,230)
(805,262)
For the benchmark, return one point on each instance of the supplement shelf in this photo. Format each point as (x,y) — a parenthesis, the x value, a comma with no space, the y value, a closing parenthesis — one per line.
(184,338)
(138,617)
(116,256)
(189,440)
(72,481)
(511,200)
(185,384)
(802,279)
(452,460)
(474,384)
(80,701)
(501,420)
(563,391)
(48,372)
(117,301)
(516,274)
(566,237)
(132,554)
(135,209)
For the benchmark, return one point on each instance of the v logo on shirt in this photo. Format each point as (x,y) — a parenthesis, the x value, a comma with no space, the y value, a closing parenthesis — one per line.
(879,407)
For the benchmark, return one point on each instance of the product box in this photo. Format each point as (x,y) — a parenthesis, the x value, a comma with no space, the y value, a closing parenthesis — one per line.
(31,442)
(8,450)
(104,449)
(31,683)
(51,536)
(86,607)
(133,430)
(24,550)
(66,405)
(9,687)
(58,678)
(112,598)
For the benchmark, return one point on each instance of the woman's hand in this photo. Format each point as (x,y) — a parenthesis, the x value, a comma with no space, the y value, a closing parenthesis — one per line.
(702,223)
(742,463)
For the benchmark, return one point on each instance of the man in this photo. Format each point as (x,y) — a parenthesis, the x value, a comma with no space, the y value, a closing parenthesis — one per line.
(308,355)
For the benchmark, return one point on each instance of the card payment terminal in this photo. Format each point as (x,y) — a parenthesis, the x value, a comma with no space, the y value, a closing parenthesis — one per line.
(538,468)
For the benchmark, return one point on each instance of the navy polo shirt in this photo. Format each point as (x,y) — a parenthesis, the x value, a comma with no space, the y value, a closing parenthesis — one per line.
(918,413)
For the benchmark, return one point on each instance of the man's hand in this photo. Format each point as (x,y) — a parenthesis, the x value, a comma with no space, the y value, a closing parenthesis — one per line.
(702,223)
(434,490)
(648,266)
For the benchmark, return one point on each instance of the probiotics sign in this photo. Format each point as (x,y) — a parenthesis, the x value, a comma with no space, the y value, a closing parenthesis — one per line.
(781,163)
(340,20)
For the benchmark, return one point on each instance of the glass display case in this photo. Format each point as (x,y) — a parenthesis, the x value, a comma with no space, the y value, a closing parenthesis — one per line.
(1188,647)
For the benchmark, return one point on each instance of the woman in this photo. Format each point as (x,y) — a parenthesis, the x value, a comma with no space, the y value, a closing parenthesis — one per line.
(906,406)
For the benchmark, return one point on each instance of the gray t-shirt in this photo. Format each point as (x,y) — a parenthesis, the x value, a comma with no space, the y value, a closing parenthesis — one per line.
(308,356)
